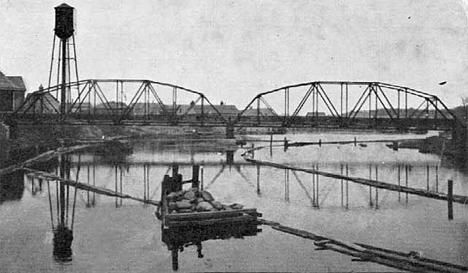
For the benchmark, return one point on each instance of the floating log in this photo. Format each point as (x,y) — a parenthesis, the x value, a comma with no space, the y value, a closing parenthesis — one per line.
(211,214)
(306,143)
(366,253)
(374,183)
(87,187)
(42,157)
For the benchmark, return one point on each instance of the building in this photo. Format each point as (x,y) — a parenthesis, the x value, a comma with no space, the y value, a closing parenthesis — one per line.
(315,114)
(40,103)
(12,91)
(264,112)
(191,109)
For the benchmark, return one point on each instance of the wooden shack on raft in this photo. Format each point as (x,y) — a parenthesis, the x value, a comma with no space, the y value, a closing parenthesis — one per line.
(191,216)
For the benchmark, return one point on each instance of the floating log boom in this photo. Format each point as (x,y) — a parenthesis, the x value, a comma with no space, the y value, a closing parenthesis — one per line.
(368,182)
(83,186)
(411,261)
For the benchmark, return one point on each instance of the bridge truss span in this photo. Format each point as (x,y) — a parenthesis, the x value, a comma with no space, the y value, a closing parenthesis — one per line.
(122,101)
(347,104)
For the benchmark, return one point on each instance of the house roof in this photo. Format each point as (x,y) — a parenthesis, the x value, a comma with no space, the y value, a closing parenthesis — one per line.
(7,84)
(18,81)
(262,111)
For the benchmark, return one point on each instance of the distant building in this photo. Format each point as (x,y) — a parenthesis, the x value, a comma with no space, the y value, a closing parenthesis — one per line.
(191,109)
(264,112)
(110,107)
(40,102)
(315,114)
(12,91)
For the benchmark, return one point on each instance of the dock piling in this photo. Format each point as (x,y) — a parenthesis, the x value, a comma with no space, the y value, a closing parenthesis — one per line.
(271,145)
(376,189)
(201,177)
(450,199)
(195,176)
(258,179)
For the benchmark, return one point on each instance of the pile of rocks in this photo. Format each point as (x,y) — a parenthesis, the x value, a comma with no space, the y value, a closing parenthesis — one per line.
(193,200)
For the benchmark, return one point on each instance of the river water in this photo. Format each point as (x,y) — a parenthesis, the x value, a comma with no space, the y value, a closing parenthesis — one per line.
(115,235)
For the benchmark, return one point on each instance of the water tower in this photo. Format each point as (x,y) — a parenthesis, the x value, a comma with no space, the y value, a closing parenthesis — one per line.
(65,55)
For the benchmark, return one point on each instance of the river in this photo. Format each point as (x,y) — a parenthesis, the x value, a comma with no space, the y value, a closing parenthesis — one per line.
(115,235)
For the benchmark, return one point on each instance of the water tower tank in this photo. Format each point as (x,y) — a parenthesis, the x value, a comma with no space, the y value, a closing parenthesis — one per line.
(64,21)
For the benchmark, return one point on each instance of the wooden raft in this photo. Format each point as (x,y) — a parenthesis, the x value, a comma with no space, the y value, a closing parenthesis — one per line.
(196,219)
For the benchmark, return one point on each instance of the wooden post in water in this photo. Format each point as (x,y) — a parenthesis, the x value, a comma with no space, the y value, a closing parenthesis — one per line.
(286,185)
(258,179)
(427,176)
(313,188)
(341,180)
(175,170)
(195,176)
(355,141)
(399,176)
(252,149)
(201,178)
(370,188)
(406,182)
(376,189)
(121,191)
(271,144)
(450,199)
(347,188)
(285,144)
(317,190)
(116,185)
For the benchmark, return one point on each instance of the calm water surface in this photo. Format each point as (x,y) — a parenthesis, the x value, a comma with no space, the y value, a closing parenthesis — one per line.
(114,235)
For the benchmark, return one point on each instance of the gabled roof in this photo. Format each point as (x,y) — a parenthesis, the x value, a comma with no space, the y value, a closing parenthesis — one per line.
(7,85)
(18,81)
(262,111)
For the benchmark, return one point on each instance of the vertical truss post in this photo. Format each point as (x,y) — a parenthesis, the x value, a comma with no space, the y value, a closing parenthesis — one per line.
(406,102)
(313,105)
(117,97)
(174,105)
(94,94)
(258,110)
(145,102)
(316,103)
(427,111)
(398,113)
(347,100)
(202,110)
(286,104)
(341,104)
(376,105)
(370,102)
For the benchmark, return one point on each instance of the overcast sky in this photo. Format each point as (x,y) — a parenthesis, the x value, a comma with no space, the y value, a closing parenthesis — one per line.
(232,50)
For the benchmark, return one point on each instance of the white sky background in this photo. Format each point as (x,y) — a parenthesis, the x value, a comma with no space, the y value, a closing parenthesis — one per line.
(232,50)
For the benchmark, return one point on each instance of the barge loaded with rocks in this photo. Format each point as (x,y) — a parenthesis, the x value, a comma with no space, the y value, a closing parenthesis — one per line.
(190,215)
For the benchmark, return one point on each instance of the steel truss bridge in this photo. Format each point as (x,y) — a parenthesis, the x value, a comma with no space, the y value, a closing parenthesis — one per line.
(331,104)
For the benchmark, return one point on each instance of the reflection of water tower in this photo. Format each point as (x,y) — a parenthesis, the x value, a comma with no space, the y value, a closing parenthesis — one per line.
(62,209)
(64,30)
